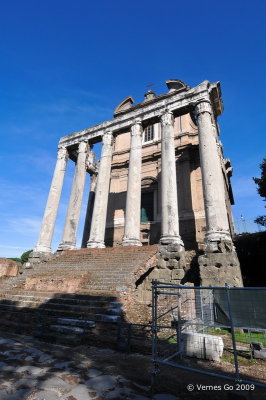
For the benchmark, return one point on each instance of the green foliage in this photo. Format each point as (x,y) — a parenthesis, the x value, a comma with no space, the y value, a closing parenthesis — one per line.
(261,220)
(25,256)
(261,182)
(14,259)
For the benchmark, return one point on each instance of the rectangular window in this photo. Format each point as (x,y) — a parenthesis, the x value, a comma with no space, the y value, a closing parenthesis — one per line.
(148,133)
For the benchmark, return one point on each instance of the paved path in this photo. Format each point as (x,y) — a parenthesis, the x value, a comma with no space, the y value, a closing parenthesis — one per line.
(32,370)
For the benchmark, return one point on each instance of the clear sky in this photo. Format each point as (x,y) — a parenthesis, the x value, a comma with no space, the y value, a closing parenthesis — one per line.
(65,65)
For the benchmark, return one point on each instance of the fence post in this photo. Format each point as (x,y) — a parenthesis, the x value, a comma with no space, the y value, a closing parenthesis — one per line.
(179,322)
(201,310)
(154,332)
(227,287)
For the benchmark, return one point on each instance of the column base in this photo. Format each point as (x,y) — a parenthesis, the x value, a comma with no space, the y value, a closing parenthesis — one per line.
(41,249)
(66,246)
(131,242)
(171,239)
(37,256)
(218,242)
(95,245)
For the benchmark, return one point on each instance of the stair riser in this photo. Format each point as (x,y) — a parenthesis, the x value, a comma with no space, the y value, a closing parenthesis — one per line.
(55,306)
(26,314)
(21,300)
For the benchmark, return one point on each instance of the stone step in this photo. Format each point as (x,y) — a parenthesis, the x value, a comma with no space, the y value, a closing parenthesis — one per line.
(81,296)
(60,330)
(58,307)
(108,318)
(114,286)
(14,313)
(34,300)
(76,322)
(67,329)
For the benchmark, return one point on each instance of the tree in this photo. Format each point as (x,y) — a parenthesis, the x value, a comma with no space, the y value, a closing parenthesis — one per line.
(25,256)
(261,182)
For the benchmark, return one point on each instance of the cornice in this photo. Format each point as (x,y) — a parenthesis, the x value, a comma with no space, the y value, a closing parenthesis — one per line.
(172,102)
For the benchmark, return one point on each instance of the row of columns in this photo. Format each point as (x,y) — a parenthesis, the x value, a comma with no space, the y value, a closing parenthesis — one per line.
(212,178)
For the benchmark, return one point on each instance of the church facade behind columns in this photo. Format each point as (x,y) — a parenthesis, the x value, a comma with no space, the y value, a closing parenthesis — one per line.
(161,178)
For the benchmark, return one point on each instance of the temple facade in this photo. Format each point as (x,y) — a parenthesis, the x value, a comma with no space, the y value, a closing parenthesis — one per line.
(161,178)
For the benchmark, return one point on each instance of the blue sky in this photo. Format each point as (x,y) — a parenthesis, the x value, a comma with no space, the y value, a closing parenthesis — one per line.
(65,65)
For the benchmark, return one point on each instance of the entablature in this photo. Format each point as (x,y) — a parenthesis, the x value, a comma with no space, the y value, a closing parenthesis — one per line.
(175,102)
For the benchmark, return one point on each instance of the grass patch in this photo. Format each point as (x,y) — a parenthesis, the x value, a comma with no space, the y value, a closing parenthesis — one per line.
(243,360)
(171,340)
(241,337)
(246,338)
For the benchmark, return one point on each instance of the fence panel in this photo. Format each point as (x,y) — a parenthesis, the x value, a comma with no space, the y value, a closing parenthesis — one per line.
(223,325)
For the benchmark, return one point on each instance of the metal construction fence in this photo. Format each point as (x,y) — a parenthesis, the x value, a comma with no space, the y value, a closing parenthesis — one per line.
(224,327)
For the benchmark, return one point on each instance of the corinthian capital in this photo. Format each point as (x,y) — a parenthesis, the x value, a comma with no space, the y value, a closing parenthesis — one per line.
(136,129)
(62,153)
(167,118)
(108,137)
(83,146)
(203,106)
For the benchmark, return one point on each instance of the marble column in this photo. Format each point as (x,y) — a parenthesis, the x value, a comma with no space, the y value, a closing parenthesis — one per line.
(48,223)
(212,176)
(132,219)
(170,220)
(98,222)
(75,202)
(87,225)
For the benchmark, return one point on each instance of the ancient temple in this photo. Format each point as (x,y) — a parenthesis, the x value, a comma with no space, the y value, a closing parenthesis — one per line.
(161,179)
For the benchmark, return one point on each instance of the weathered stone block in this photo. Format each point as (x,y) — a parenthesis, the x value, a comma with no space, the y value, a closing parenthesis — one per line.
(162,263)
(260,354)
(178,274)
(8,267)
(162,274)
(163,252)
(175,263)
(173,247)
(203,346)
(175,255)
(223,266)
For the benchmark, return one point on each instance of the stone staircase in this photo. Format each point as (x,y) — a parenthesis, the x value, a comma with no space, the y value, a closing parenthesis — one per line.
(75,297)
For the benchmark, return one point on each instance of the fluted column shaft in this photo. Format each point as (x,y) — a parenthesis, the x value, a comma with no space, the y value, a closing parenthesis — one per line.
(212,176)
(132,219)
(75,201)
(98,222)
(170,220)
(48,223)
(87,225)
